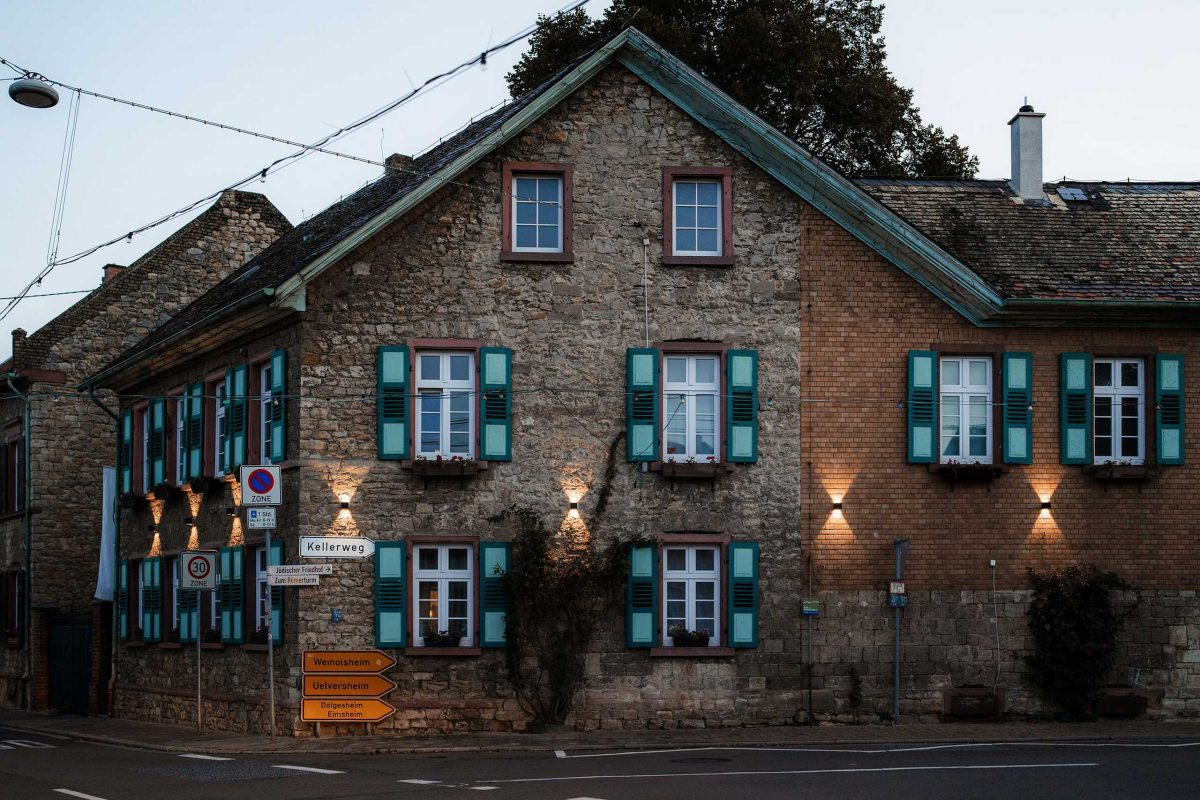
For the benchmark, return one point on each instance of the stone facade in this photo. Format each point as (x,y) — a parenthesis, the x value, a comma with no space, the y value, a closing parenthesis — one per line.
(72,438)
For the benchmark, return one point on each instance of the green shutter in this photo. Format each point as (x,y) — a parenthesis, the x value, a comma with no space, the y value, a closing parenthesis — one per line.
(275,558)
(494,558)
(195,431)
(641,597)
(278,452)
(391,402)
(922,407)
(642,399)
(158,441)
(226,438)
(389,594)
(1018,408)
(741,409)
(126,451)
(238,392)
(231,597)
(151,588)
(495,431)
(1168,419)
(189,609)
(123,598)
(1075,408)
(743,594)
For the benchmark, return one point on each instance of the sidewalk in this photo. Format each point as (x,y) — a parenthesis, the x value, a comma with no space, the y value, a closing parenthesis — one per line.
(172,738)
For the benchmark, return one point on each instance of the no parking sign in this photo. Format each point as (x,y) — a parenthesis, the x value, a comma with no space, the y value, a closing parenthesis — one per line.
(261,486)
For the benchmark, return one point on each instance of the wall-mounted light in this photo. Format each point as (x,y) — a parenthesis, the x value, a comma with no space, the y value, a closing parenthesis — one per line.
(344,503)
(837,505)
(573,511)
(231,511)
(153,528)
(189,521)
(1045,505)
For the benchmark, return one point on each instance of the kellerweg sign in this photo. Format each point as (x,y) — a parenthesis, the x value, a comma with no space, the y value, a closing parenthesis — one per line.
(336,547)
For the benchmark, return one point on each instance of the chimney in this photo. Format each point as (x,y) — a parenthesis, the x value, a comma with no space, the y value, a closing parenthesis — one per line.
(396,163)
(18,344)
(1026,178)
(111,271)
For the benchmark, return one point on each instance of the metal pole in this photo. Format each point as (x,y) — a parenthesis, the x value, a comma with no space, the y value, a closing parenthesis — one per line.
(901,552)
(270,645)
(196,631)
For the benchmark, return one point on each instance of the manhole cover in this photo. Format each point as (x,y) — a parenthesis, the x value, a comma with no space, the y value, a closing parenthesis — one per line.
(700,760)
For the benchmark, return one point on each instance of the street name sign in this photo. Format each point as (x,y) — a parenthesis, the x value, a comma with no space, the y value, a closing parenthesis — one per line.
(345,709)
(260,518)
(199,569)
(261,485)
(293,580)
(347,686)
(300,569)
(336,547)
(347,662)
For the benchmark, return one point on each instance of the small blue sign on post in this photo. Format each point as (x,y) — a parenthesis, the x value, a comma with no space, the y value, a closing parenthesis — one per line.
(897,600)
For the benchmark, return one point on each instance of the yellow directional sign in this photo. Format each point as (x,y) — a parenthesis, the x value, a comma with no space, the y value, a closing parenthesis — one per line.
(347,662)
(322,685)
(344,709)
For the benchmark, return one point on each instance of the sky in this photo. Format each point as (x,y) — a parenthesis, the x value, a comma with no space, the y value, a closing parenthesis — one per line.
(1113,77)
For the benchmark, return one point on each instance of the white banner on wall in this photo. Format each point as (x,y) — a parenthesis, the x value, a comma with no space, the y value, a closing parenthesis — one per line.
(106,573)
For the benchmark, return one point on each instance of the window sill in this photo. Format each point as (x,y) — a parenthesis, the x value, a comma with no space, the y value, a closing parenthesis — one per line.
(968,473)
(212,646)
(12,515)
(544,258)
(691,652)
(170,646)
(443,651)
(255,647)
(697,261)
(432,468)
(1120,472)
(136,644)
(684,469)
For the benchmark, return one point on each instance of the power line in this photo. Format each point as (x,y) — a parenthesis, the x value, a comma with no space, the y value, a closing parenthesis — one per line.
(50,294)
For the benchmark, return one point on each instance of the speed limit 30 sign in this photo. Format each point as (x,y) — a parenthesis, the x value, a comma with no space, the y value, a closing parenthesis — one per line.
(198,569)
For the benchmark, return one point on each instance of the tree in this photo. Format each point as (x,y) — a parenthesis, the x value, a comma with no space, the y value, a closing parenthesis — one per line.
(812,68)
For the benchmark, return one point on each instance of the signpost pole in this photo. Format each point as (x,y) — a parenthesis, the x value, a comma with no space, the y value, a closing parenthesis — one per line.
(270,647)
(199,595)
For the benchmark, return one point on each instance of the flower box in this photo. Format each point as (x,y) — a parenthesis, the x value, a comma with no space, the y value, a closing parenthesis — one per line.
(446,467)
(692,470)
(442,639)
(1120,472)
(685,638)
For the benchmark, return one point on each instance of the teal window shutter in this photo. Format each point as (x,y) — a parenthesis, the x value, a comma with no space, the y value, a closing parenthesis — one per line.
(391,402)
(389,594)
(189,610)
(158,441)
(126,452)
(230,597)
(922,407)
(1168,418)
(1075,408)
(195,431)
(495,430)
(238,393)
(743,594)
(278,452)
(225,434)
(151,588)
(1018,408)
(741,410)
(494,558)
(275,558)
(123,598)
(641,597)
(642,398)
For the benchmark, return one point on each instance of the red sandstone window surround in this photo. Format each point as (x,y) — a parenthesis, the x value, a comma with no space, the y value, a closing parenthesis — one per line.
(692,592)
(698,216)
(443,570)
(536,209)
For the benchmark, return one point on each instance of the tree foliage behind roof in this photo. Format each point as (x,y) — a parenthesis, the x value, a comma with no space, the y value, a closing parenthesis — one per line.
(812,68)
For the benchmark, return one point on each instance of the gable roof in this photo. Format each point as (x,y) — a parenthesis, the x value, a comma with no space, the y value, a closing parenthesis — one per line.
(876,217)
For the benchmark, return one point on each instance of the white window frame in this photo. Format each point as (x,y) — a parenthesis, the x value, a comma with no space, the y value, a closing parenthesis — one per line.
(964,392)
(264,413)
(1116,394)
(180,442)
(696,206)
(690,576)
(446,388)
(443,576)
(218,428)
(690,388)
(146,451)
(214,609)
(537,204)
(262,591)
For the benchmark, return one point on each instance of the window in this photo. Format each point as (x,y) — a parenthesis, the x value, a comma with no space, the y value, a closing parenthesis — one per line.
(966,409)
(697,221)
(262,592)
(691,583)
(180,441)
(220,429)
(536,212)
(691,407)
(143,427)
(12,471)
(445,404)
(210,612)
(264,414)
(442,578)
(1119,393)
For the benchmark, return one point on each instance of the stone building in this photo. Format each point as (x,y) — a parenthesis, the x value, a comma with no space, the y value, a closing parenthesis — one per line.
(57,442)
(624,305)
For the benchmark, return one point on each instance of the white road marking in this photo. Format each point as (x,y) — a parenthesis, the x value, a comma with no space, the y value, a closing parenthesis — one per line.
(420,782)
(27,743)
(203,757)
(792,772)
(484,788)
(310,769)
(561,753)
(78,794)
(876,751)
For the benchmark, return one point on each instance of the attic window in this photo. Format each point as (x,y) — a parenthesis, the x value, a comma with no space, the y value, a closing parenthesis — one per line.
(1072,194)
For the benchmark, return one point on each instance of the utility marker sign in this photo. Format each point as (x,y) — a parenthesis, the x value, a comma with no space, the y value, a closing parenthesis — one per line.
(261,486)
(199,569)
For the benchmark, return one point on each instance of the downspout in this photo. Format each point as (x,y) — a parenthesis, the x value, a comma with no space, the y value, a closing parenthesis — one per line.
(116,620)
(28,523)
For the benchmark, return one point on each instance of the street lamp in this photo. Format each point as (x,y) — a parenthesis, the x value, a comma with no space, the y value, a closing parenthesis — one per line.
(32,92)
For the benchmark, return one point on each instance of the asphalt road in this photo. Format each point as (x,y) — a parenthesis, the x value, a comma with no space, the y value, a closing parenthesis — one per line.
(38,766)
